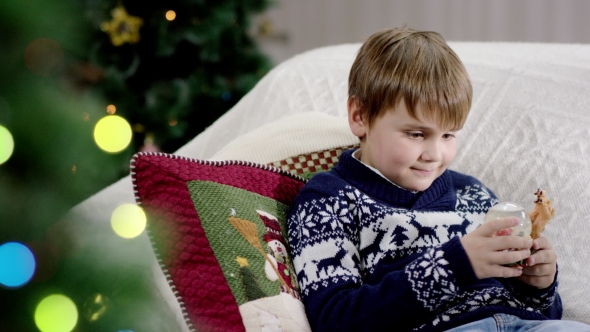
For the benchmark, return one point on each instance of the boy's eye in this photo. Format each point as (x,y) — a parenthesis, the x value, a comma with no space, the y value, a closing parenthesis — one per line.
(414,134)
(448,136)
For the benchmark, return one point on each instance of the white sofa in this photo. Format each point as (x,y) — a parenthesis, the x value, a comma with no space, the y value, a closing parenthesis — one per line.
(529,128)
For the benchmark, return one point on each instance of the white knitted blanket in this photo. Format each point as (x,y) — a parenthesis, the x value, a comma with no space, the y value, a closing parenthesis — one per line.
(529,127)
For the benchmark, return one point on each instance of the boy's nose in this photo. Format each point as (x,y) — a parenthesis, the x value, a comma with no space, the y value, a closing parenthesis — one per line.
(432,152)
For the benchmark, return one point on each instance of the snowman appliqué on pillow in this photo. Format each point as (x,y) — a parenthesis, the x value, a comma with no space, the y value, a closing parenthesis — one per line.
(260,312)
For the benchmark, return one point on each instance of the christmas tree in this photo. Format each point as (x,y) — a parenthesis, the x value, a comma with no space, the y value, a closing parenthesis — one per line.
(252,288)
(171,68)
(168,71)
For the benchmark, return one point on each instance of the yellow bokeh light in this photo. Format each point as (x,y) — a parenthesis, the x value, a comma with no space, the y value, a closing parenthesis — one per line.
(56,313)
(128,220)
(112,133)
(6,145)
(170,15)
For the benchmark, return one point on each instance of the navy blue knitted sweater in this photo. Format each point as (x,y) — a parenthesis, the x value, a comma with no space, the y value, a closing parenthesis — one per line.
(371,256)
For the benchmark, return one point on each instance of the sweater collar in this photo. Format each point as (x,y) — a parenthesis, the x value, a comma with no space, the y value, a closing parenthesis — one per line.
(439,196)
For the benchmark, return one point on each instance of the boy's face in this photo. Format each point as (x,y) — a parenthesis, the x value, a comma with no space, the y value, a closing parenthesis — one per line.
(410,152)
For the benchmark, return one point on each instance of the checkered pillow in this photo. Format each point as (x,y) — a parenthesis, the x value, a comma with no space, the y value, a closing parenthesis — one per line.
(308,164)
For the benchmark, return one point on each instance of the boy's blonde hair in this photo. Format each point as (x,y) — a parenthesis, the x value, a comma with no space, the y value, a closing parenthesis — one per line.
(417,66)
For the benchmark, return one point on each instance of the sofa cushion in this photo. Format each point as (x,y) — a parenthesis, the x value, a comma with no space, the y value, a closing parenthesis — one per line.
(217,229)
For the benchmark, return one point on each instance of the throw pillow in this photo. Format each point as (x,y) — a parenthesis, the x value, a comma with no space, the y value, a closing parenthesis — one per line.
(308,164)
(218,229)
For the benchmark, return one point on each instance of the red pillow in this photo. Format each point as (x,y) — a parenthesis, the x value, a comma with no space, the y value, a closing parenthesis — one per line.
(219,231)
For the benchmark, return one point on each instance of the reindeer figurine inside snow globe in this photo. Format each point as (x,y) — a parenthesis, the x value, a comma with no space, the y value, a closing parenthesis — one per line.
(531,224)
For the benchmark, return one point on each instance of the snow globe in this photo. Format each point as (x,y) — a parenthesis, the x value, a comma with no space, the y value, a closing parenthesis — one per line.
(524,227)
(507,209)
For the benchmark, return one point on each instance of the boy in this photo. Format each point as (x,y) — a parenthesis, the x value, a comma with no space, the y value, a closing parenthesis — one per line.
(390,239)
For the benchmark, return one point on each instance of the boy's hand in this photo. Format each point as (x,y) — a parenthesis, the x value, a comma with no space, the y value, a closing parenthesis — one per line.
(487,252)
(541,266)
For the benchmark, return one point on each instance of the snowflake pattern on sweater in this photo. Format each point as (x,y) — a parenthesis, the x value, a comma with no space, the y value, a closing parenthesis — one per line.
(344,235)
(431,279)
(380,230)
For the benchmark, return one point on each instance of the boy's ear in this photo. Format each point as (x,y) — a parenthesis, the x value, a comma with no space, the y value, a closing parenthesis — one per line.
(356,121)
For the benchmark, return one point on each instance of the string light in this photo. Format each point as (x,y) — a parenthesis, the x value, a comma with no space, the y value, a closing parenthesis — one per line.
(112,133)
(111,109)
(170,15)
(17,264)
(138,128)
(56,313)
(6,145)
(128,220)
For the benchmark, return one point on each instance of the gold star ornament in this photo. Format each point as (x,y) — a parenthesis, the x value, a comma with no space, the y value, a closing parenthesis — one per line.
(242,261)
(123,28)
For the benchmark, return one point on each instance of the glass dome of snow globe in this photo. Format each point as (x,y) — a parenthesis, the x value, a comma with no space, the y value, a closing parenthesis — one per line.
(508,209)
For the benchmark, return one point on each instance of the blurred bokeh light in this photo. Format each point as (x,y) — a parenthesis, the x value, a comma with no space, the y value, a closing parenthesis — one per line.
(95,307)
(44,57)
(111,109)
(170,15)
(112,133)
(128,220)
(6,144)
(56,313)
(17,264)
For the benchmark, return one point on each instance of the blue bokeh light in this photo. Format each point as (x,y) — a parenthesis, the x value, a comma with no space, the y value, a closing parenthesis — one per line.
(17,264)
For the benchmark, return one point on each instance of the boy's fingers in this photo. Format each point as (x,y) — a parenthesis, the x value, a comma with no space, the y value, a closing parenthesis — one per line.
(542,243)
(510,256)
(508,272)
(491,227)
(543,257)
(536,270)
(500,243)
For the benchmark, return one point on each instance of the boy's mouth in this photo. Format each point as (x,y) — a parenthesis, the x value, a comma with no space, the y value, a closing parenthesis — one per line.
(422,171)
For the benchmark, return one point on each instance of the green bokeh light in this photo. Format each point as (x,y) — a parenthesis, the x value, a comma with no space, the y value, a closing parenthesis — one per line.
(6,144)
(56,313)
